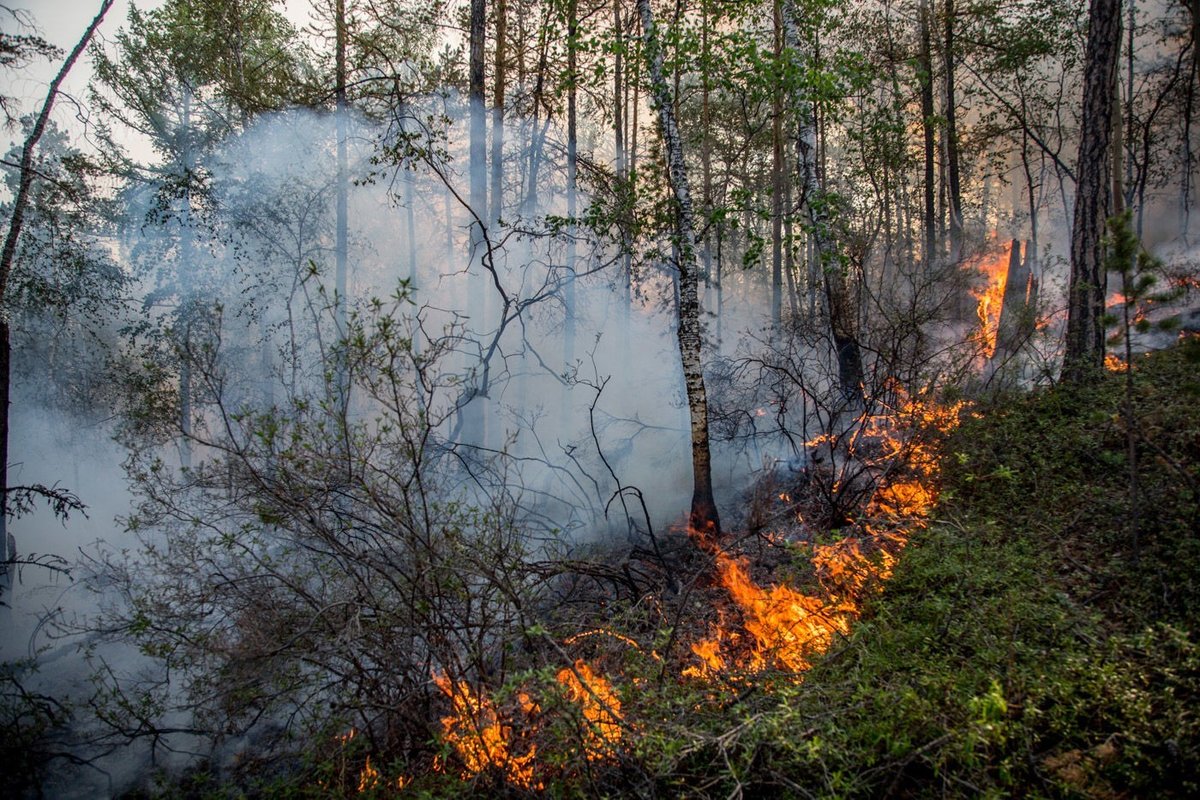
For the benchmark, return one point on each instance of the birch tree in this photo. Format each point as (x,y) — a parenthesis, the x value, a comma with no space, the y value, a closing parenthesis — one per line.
(703,516)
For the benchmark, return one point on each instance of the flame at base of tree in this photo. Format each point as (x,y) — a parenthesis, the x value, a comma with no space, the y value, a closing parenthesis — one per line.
(990,299)
(764,626)
(787,628)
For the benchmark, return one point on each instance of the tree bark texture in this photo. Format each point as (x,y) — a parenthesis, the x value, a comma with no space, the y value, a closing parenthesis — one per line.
(1016,314)
(953,185)
(704,517)
(1084,355)
(925,69)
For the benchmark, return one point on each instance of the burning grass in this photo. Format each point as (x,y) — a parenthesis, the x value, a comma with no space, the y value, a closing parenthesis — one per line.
(889,457)
(780,600)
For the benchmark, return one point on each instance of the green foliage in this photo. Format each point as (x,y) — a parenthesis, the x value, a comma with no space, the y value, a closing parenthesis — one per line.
(1019,650)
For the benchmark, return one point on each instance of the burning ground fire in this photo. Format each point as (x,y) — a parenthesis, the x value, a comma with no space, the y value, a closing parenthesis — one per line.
(786,628)
(483,740)
(762,627)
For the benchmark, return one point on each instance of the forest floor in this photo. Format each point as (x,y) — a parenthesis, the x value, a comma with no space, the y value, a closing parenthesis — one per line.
(1027,643)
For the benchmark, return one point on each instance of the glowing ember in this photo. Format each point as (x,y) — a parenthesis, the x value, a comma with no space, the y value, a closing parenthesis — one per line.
(601,708)
(990,297)
(479,739)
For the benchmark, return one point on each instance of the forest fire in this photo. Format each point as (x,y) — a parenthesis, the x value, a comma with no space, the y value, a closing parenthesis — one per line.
(990,297)
(480,739)
(788,628)
(601,707)
(369,776)
(484,740)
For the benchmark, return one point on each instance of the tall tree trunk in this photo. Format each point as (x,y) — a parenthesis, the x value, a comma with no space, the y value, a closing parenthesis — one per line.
(341,243)
(15,222)
(952,175)
(498,89)
(843,311)
(569,321)
(1188,174)
(620,120)
(706,145)
(777,168)
(925,70)
(703,517)
(1084,355)
(473,416)
(187,298)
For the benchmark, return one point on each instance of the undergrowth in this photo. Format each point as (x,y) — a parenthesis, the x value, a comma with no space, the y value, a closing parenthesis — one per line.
(1023,647)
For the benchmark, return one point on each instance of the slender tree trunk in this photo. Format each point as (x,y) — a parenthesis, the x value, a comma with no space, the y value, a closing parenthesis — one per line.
(1084,355)
(187,299)
(843,311)
(706,143)
(498,90)
(8,256)
(703,517)
(1119,163)
(620,120)
(1188,174)
(473,416)
(925,69)
(569,321)
(341,244)
(952,175)
(777,168)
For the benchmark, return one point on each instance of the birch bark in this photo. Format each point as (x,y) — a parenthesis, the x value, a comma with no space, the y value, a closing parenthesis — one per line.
(703,517)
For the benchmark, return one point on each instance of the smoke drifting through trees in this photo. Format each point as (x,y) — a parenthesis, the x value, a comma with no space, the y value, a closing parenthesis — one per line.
(375,404)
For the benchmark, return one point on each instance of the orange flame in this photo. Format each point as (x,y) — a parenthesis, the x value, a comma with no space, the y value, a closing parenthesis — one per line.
(601,708)
(789,628)
(479,738)
(368,778)
(990,297)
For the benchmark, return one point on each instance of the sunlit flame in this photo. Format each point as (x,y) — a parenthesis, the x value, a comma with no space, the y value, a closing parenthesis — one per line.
(601,708)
